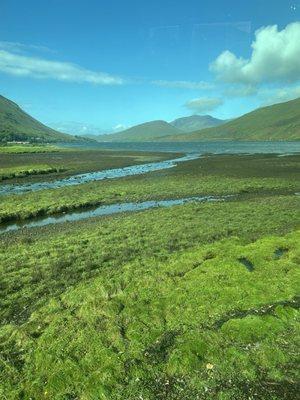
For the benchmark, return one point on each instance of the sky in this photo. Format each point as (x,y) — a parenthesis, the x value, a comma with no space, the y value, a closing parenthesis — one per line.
(97,66)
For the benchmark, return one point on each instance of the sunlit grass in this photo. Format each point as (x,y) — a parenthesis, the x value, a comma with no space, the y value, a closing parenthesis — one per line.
(197,301)
(28,170)
(24,148)
(197,322)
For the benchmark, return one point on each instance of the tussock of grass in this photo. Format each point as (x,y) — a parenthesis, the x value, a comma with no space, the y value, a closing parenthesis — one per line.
(24,171)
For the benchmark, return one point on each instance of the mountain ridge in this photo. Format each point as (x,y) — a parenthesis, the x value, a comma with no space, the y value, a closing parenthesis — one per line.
(147,131)
(157,129)
(195,122)
(279,121)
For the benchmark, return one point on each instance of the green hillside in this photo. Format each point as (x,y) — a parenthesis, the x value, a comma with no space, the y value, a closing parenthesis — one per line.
(148,131)
(16,125)
(196,122)
(276,122)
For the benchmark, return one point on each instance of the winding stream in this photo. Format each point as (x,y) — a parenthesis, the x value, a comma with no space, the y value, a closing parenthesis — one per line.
(95,176)
(104,210)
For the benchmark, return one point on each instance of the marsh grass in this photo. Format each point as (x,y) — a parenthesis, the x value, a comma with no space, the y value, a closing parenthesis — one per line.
(18,149)
(150,328)
(28,170)
(215,175)
(157,304)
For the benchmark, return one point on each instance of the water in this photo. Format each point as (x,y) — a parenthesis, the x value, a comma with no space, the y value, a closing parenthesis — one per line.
(95,176)
(104,210)
(193,149)
(248,264)
(225,147)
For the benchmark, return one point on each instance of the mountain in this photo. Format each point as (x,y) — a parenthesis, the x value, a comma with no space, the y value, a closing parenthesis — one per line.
(149,131)
(196,122)
(277,122)
(16,125)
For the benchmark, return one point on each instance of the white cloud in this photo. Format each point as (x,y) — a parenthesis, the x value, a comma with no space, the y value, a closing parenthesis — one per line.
(203,104)
(275,57)
(202,85)
(26,66)
(18,47)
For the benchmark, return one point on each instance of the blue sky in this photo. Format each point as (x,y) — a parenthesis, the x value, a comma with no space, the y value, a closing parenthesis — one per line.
(104,64)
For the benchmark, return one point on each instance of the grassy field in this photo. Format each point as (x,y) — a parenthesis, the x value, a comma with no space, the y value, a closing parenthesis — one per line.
(27,148)
(216,175)
(198,301)
(69,161)
(9,173)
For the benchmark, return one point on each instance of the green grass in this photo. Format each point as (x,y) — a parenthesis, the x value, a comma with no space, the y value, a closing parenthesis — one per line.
(28,170)
(141,305)
(160,304)
(16,149)
(68,161)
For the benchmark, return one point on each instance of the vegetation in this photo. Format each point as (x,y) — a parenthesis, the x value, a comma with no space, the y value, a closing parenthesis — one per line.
(67,161)
(197,301)
(22,172)
(27,148)
(215,175)
(111,313)
(16,125)
(276,122)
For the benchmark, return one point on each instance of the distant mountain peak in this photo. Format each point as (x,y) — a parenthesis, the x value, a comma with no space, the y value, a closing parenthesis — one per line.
(196,122)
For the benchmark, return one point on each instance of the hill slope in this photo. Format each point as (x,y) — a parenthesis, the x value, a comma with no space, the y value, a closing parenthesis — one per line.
(16,125)
(148,131)
(196,122)
(276,122)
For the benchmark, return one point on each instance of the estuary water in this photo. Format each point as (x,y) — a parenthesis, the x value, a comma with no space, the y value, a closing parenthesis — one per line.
(220,147)
(193,150)
(95,176)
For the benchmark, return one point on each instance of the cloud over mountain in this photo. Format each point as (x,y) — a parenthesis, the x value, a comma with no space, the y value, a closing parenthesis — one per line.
(203,104)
